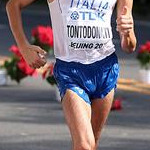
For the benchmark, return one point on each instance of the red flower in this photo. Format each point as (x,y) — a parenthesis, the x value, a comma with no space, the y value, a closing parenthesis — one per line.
(116,105)
(34,32)
(51,67)
(15,50)
(25,68)
(145,48)
(148,46)
(142,49)
(22,65)
(44,35)
(44,74)
(48,71)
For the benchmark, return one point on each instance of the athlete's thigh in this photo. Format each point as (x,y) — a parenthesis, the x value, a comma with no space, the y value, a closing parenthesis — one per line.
(100,111)
(78,116)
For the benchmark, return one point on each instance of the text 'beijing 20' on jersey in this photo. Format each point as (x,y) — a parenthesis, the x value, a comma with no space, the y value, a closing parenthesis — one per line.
(82,29)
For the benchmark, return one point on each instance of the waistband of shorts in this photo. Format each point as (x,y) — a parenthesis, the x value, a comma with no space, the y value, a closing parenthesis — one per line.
(100,62)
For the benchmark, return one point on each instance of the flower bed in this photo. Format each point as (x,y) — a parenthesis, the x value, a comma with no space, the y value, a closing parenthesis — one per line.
(144,55)
(16,66)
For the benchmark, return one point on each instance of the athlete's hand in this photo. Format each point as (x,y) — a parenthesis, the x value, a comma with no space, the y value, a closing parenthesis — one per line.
(125,22)
(33,55)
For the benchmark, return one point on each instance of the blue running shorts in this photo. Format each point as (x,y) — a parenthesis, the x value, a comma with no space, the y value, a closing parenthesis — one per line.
(89,81)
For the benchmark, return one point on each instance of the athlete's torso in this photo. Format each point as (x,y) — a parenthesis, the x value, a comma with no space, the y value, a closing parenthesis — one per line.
(82,29)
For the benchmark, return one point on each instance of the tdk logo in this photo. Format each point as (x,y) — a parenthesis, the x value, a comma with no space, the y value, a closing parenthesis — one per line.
(74,15)
(86,15)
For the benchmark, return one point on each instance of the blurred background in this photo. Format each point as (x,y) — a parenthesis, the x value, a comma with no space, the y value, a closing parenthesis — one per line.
(31,118)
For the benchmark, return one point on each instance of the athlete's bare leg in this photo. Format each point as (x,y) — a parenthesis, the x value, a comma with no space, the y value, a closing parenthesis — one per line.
(78,116)
(100,111)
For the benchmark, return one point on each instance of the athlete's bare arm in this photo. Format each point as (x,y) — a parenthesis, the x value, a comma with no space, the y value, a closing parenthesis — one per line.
(29,52)
(125,25)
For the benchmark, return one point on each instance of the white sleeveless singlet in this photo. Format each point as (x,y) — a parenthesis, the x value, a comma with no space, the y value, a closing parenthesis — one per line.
(82,29)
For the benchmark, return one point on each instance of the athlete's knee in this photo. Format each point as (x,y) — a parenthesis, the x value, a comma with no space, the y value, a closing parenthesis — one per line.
(85,145)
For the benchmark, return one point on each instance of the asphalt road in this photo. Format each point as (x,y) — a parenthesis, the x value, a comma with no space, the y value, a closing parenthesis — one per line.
(31,119)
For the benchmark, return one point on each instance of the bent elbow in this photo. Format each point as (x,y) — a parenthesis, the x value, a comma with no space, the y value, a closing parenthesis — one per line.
(12,4)
(8,5)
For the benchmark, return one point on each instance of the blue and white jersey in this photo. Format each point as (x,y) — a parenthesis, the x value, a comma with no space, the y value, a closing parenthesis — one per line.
(82,29)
